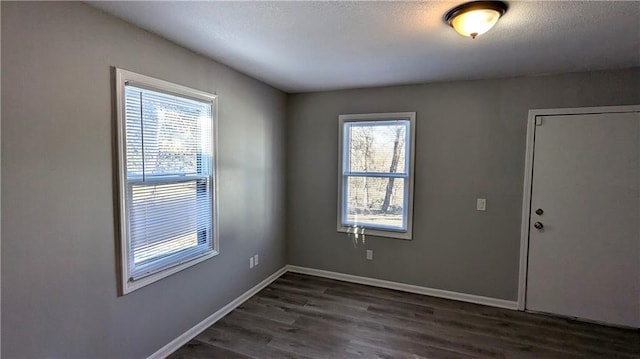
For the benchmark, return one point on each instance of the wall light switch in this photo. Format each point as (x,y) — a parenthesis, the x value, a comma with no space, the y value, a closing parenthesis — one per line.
(255,260)
(369,254)
(481,204)
(251,262)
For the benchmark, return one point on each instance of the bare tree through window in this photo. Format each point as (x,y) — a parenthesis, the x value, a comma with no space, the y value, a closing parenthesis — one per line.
(375,151)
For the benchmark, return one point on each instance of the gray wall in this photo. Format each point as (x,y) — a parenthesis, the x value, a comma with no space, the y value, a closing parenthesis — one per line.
(58,227)
(470,143)
(58,256)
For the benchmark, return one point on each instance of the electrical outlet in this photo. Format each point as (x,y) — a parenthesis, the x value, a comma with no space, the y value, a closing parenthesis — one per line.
(481,204)
(255,260)
(369,254)
(250,262)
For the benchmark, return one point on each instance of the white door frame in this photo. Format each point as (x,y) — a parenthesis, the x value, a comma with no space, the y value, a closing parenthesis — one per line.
(528,175)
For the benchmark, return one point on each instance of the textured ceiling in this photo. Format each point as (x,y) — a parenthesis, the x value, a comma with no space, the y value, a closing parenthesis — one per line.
(310,46)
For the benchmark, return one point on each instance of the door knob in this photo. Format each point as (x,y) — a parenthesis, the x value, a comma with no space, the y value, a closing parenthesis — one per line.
(538,225)
(539,211)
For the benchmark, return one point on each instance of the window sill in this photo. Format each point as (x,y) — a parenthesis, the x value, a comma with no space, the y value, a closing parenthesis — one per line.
(405,235)
(144,281)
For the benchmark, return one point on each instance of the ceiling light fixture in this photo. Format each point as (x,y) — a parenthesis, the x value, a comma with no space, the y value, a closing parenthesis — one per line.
(476,17)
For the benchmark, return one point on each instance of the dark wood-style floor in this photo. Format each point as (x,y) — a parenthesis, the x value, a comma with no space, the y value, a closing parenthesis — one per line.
(300,316)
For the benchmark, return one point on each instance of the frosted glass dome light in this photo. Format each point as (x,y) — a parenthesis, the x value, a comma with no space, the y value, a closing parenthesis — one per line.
(475,18)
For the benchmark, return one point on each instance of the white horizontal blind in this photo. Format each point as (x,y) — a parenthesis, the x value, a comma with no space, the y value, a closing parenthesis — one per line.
(169,175)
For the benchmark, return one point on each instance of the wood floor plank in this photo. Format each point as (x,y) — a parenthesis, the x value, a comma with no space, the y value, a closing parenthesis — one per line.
(315,297)
(302,316)
(451,304)
(588,330)
(198,350)
(384,350)
(425,344)
(557,339)
(273,310)
(252,346)
(376,328)
(291,338)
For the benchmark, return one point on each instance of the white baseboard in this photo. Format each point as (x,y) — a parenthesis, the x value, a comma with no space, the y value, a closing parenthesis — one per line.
(184,338)
(494,302)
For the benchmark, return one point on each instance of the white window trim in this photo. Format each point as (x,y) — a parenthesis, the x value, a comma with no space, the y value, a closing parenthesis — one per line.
(342,119)
(127,77)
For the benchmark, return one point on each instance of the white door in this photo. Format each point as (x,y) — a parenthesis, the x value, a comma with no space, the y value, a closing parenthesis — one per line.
(584,237)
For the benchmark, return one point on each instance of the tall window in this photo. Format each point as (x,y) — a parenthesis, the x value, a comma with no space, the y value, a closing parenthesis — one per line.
(376,173)
(167,178)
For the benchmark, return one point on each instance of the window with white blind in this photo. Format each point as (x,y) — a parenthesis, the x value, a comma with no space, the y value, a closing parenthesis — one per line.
(375,178)
(166,143)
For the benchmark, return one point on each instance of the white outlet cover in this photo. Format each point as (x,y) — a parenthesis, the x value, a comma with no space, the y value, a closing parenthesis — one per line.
(251,262)
(256,258)
(369,254)
(481,204)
